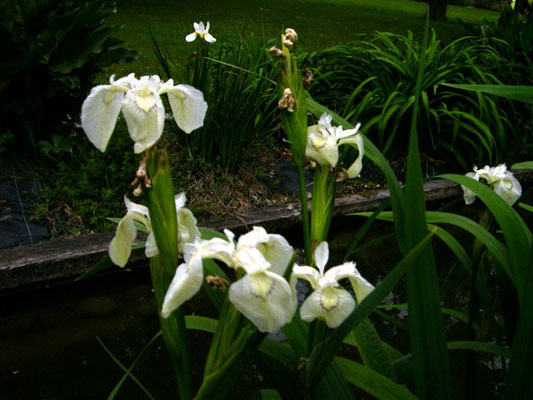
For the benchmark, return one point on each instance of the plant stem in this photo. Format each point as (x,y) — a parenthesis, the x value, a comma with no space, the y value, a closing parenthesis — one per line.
(305,214)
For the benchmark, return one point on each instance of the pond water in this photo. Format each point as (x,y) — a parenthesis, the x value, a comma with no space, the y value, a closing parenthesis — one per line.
(49,349)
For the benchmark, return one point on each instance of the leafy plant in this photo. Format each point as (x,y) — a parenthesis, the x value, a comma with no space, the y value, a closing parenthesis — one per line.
(237,81)
(373,81)
(53,50)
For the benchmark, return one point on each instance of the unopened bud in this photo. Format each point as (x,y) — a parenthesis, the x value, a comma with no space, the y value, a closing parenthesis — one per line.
(287,101)
(290,37)
(276,53)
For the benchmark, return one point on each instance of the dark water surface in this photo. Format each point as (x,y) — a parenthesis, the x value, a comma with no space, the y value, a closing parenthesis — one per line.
(49,349)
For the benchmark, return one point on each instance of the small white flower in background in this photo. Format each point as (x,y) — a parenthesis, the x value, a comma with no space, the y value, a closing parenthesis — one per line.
(329,301)
(499,179)
(201,31)
(262,295)
(120,246)
(141,105)
(323,141)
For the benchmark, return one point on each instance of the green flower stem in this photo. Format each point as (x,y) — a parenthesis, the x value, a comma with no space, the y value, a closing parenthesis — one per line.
(305,214)
(322,204)
(164,222)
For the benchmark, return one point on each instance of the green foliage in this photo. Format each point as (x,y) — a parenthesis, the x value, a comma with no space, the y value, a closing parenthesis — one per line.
(373,81)
(512,36)
(52,51)
(84,187)
(236,80)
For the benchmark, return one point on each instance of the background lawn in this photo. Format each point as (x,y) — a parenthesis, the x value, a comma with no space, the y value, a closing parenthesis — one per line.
(319,23)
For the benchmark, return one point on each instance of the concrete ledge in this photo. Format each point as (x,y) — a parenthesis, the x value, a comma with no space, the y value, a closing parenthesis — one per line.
(62,259)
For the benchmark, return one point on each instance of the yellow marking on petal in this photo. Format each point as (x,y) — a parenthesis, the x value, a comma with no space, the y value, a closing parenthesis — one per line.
(329,299)
(110,95)
(261,285)
(318,142)
(145,99)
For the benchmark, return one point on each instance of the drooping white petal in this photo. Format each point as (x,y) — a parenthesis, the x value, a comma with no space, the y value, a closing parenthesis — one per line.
(264,298)
(145,116)
(278,252)
(309,274)
(190,37)
(330,304)
(209,38)
(253,238)
(251,260)
(220,249)
(468,194)
(186,282)
(322,256)
(180,200)
(357,166)
(99,114)
(137,208)
(150,249)
(508,189)
(120,246)
(188,106)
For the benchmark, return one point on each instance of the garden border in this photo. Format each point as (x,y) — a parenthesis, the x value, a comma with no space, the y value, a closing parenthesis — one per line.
(62,259)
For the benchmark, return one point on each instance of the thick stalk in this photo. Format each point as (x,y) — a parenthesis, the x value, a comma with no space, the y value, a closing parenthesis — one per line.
(305,214)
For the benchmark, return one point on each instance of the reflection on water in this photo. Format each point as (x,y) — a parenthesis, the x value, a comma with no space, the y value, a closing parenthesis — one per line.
(48,336)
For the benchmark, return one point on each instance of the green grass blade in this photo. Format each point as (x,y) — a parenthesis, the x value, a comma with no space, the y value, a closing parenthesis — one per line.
(523,165)
(199,323)
(372,382)
(140,358)
(126,370)
(267,394)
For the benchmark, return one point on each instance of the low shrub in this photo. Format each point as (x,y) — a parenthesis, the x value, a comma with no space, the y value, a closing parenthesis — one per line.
(52,52)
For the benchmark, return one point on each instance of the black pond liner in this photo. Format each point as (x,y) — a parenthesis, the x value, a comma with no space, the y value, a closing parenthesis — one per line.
(17,195)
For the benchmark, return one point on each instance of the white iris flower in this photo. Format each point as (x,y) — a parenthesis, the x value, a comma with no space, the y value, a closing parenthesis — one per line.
(141,105)
(329,301)
(120,246)
(499,179)
(262,295)
(202,32)
(323,141)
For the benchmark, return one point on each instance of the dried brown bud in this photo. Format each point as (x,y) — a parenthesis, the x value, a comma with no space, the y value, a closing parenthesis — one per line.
(276,53)
(309,77)
(290,37)
(287,101)
(138,191)
(216,281)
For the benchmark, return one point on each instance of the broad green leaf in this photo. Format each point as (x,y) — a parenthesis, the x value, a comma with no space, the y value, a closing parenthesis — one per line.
(372,382)
(372,350)
(200,323)
(519,384)
(523,165)
(513,92)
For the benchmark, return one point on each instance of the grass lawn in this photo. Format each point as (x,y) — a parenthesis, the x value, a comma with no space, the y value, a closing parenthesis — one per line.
(319,23)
